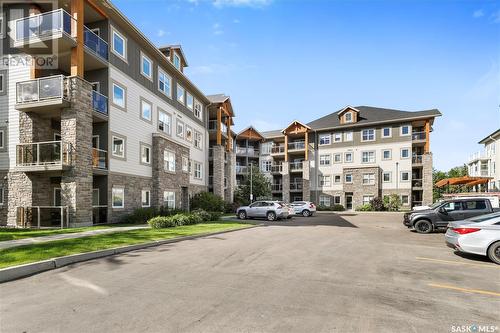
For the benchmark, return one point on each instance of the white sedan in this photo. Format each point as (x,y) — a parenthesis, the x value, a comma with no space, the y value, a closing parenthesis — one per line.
(477,235)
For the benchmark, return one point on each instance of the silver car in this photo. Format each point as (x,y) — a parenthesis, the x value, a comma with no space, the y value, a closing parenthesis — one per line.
(304,208)
(271,210)
(477,235)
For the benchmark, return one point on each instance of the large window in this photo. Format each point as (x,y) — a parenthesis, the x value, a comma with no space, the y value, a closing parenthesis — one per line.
(169,199)
(325,181)
(348,136)
(189,101)
(177,61)
(198,170)
(164,83)
(324,200)
(181,94)
(325,159)
(145,198)
(368,135)
(118,147)
(185,164)
(198,109)
(119,95)
(164,122)
(169,161)
(198,140)
(267,166)
(145,154)
(266,147)
(119,45)
(146,110)
(118,197)
(146,67)
(325,139)
(368,157)
(368,179)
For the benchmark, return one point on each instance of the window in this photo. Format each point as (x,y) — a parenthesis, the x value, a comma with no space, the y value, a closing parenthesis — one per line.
(367,199)
(324,181)
(189,134)
(118,197)
(386,132)
(325,139)
(337,179)
(185,164)
(348,178)
(405,176)
(2,82)
(336,199)
(368,157)
(181,94)
(368,179)
(348,136)
(169,161)
(324,200)
(2,196)
(348,157)
(386,177)
(266,147)
(164,122)
(405,153)
(189,101)
(368,135)
(169,199)
(348,117)
(146,110)
(119,95)
(119,45)
(405,130)
(405,200)
(475,205)
(146,67)
(164,83)
(198,170)
(337,137)
(386,154)
(180,129)
(145,154)
(2,139)
(337,158)
(324,159)
(266,166)
(177,61)
(2,28)
(198,109)
(198,140)
(145,198)
(118,147)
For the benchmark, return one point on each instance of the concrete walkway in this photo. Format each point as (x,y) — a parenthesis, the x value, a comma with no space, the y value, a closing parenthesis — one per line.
(35,240)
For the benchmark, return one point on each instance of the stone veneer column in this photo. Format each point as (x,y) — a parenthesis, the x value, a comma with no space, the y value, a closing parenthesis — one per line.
(231,176)
(427,180)
(76,129)
(286,181)
(218,170)
(306,182)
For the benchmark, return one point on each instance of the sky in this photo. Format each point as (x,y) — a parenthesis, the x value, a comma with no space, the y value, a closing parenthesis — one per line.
(282,60)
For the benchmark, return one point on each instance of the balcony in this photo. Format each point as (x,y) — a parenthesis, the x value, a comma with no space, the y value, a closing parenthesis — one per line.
(296,186)
(276,187)
(42,217)
(296,166)
(100,103)
(416,183)
(278,150)
(43,156)
(243,151)
(479,156)
(241,170)
(296,146)
(99,159)
(96,46)
(42,94)
(276,169)
(212,127)
(417,159)
(32,33)
(418,136)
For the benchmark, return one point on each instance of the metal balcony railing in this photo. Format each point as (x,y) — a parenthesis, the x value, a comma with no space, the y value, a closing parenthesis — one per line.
(99,102)
(296,166)
(277,168)
(44,153)
(416,182)
(243,151)
(241,169)
(42,217)
(95,44)
(99,159)
(45,25)
(276,187)
(480,155)
(418,136)
(416,159)
(42,89)
(278,149)
(297,145)
(212,126)
(296,185)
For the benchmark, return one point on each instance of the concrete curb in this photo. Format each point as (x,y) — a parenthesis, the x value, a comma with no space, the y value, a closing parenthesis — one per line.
(21,271)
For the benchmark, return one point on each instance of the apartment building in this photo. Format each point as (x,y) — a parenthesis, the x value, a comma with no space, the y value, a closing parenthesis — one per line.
(351,156)
(483,163)
(113,125)
(247,151)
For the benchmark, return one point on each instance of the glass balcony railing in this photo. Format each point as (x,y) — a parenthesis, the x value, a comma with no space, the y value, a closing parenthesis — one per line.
(243,151)
(416,182)
(45,25)
(41,217)
(278,150)
(296,185)
(44,154)
(42,89)
(418,136)
(99,102)
(99,159)
(416,159)
(95,44)
(277,168)
(298,145)
(276,187)
(296,166)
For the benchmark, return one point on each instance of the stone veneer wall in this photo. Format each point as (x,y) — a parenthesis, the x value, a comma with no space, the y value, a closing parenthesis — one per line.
(230,176)
(306,182)
(4,208)
(218,170)
(357,188)
(133,186)
(286,182)
(316,194)
(427,180)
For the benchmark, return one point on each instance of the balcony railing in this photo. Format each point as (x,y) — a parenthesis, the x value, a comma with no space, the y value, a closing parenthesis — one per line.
(296,185)
(277,168)
(416,159)
(418,136)
(416,182)
(99,159)
(276,187)
(99,102)
(42,89)
(296,166)
(278,149)
(45,25)
(241,169)
(95,44)
(42,217)
(44,154)
(243,151)
(212,126)
(297,145)
(480,155)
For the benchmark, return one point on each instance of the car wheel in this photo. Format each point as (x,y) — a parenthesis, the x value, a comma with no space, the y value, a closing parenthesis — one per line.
(494,252)
(242,215)
(306,213)
(423,226)
(271,216)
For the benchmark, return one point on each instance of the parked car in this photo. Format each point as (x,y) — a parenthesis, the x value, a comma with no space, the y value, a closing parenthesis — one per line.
(440,214)
(291,211)
(304,208)
(271,210)
(478,235)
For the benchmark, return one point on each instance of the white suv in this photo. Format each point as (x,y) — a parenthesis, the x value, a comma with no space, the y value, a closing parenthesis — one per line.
(304,208)
(271,210)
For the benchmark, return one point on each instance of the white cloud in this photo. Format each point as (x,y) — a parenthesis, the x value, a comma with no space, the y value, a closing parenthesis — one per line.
(236,21)
(478,13)
(161,33)
(217,27)
(241,3)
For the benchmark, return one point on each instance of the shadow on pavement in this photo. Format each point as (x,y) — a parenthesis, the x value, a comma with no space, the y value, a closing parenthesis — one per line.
(318,220)
(474,257)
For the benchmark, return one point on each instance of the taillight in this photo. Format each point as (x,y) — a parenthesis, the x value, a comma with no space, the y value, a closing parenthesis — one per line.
(464,231)
(311,205)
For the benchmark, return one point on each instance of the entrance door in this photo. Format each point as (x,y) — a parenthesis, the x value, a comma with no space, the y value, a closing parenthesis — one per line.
(348,201)
(57,197)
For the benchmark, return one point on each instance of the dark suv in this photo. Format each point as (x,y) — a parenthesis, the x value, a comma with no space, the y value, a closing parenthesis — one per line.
(440,214)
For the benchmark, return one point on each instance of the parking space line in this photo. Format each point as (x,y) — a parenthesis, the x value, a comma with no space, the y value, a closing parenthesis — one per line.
(465,290)
(450,262)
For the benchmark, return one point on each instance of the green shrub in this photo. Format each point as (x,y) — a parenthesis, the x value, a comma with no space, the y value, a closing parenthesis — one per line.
(207,201)
(160,222)
(203,214)
(365,208)
(392,202)
(323,208)
(338,208)
(141,215)
(215,216)
(377,204)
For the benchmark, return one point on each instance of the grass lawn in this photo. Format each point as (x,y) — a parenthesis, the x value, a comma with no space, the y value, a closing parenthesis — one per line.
(47,250)
(7,234)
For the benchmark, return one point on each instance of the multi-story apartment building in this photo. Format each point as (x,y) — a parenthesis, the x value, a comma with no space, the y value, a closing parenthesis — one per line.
(484,163)
(351,156)
(247,149)
(114,124)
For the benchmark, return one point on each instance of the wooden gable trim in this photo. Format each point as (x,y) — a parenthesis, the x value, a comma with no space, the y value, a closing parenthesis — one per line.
(296,128)
(250,134)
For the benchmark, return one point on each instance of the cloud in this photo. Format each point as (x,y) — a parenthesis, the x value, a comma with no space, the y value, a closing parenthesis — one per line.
(217,27)
(478,13)
(496,16)
(241,3)
(236,21)
(161,33)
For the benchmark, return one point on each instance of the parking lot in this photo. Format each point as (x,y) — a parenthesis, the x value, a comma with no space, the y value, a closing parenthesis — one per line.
(328,273)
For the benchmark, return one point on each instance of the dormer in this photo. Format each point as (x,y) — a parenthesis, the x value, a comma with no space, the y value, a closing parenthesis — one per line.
(175,55)
(348,115)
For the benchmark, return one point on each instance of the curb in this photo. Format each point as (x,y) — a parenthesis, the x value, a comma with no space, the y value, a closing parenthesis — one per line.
(21,271)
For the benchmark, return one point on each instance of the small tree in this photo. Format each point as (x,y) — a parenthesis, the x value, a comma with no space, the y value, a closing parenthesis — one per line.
(208,202)
(392,202)
(261,187)
(377,204)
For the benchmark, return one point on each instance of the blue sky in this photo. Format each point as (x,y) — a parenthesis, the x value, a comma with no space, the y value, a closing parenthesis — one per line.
(285,60)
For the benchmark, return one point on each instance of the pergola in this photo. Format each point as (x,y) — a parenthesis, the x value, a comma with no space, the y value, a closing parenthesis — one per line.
(465,180)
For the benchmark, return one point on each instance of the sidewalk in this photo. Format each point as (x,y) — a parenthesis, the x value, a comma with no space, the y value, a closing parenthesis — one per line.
(35,240)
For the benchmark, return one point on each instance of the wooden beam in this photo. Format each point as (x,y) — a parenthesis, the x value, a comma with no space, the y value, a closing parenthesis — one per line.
(229,138)
(219,125)
(427,147)
(286,148)
(96,8)
(34,71)
(77,60)
(307,145)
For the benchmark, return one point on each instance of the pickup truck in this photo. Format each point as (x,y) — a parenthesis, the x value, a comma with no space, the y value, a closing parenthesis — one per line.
(440,214)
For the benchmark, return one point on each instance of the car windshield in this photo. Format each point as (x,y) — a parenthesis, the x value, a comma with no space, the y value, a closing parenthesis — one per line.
(486,217)
(436,204)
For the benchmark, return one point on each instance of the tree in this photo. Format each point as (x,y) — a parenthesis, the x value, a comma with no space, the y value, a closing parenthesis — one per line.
(438,175)
(261,187)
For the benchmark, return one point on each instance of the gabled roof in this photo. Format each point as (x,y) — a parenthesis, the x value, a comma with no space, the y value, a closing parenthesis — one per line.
(489,137)
(178,48)
(293,123)
(372,115)
(252,129)
(339,113)
(272,134)
(220,99)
